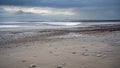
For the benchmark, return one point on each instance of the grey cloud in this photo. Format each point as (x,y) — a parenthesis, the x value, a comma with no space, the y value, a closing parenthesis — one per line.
(86,9)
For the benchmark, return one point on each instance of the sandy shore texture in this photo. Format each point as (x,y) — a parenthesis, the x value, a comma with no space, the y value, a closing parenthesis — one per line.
(80,47)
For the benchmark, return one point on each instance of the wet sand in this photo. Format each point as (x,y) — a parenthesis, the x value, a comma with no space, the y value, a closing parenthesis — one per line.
(90,47)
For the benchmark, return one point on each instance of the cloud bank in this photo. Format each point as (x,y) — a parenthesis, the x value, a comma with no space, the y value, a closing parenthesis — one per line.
(39,10)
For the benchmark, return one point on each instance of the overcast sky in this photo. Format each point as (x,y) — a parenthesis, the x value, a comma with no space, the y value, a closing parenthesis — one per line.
(38,10)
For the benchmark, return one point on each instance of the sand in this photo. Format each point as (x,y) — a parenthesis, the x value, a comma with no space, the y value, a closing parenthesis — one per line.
(61,49)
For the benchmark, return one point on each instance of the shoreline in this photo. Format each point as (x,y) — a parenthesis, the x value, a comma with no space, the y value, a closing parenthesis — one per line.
(7,37)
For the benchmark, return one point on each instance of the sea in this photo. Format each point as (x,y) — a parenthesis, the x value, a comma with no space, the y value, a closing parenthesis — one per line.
(33,25)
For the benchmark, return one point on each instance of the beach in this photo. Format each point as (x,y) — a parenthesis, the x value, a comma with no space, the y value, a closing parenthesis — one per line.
(70,47)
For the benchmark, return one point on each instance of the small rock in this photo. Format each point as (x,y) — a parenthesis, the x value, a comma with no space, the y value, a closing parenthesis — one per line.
(86,49)
(23,60)
(59,66)
(50,52)
(99,55)
(32,66)
(83,47)
(85,54)
(73,52)
(104,55)
(98,52)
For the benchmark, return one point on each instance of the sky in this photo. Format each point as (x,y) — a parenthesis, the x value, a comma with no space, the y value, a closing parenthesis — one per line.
(59,10)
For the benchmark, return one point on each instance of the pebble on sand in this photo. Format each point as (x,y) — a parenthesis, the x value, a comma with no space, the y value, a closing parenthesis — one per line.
(61,66)
(73,52)
(23,60)
(85,54)
(86,49)
(83,47)
(32,66)
(104,55)
(50,52)
(99,55)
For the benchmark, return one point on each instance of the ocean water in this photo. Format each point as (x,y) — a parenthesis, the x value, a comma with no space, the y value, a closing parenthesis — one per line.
(27,25)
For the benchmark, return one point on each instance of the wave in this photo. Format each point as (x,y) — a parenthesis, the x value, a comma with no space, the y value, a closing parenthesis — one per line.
(42,24)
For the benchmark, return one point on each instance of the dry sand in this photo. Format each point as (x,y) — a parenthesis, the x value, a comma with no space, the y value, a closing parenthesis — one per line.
(94,49)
